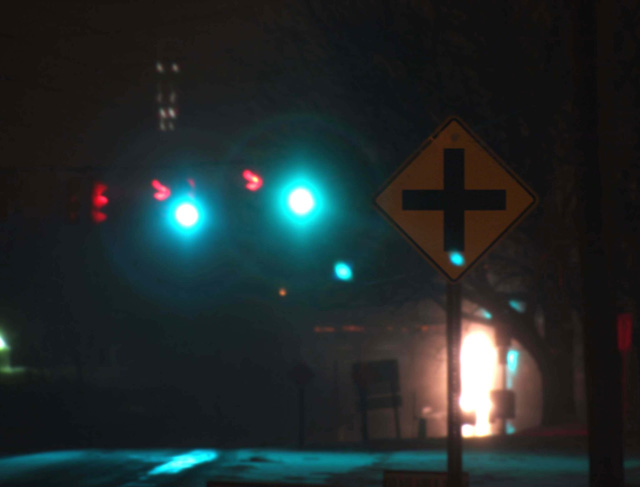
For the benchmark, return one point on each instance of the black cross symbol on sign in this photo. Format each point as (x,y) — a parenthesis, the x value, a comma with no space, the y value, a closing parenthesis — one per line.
(454,200)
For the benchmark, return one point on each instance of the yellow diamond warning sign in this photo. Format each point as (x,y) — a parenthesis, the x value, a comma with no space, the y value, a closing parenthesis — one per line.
(454,199)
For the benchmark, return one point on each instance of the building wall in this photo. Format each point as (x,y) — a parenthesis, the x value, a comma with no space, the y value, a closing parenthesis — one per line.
(421,353)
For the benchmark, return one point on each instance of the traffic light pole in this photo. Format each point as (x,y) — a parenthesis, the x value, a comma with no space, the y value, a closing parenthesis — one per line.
(454,431)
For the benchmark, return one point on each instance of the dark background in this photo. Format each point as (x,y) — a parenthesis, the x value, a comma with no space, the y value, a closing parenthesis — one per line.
(341,92)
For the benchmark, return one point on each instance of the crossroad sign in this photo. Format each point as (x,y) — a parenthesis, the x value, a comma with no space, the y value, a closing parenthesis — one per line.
(454,199)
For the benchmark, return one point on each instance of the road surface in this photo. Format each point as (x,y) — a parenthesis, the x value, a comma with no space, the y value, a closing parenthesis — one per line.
(536,463)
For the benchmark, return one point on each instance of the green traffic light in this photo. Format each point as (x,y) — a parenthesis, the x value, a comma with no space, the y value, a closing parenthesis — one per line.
(187,215)
(301,201)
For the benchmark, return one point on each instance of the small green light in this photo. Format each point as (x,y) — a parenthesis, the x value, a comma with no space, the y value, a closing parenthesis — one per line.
(301,201)
(343,271)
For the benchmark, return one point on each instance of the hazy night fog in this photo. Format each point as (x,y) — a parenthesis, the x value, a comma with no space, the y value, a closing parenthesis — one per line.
(193,255)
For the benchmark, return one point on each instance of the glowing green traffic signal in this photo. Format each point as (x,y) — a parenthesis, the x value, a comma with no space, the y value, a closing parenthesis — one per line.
(301,201)
(187,215)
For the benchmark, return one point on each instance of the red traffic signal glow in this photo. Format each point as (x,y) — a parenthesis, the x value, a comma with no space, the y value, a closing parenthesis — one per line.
(98,201)
(254,182)
(162,192)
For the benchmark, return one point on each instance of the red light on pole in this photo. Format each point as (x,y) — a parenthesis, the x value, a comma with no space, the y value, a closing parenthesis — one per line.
(162,192)
(98,202)
(254,182)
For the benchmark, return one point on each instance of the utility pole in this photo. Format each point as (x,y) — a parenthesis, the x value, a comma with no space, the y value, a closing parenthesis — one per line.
(592,44)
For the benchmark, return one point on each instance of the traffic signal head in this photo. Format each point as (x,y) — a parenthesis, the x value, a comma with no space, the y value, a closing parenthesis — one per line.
(98,202)
(187,215)
(456,258)
(254,182)
(162,191)
(301,201)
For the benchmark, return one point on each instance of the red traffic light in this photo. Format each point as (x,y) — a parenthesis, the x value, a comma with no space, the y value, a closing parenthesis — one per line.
(98,202)
(254,182)
(162,192)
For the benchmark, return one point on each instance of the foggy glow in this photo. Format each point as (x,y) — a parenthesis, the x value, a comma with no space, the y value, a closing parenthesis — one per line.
(179,463)
(478,358)
(187,215)
(301,201)
(3,344)
(282,292)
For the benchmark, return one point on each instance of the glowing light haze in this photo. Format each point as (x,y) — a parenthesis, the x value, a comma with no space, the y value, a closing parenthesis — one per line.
(478,359)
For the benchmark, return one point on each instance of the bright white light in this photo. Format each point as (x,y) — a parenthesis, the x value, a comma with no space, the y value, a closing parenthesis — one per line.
(301,201)
(3,344)
(478,359)
(187,215)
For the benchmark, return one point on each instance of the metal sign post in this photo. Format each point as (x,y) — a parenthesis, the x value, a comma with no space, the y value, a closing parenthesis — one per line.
(453,200)
(454,427)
